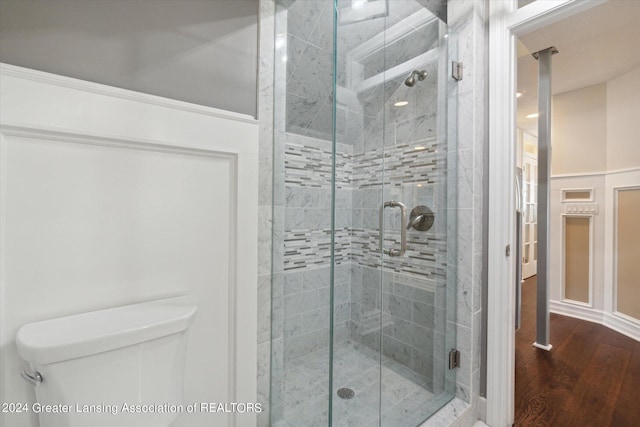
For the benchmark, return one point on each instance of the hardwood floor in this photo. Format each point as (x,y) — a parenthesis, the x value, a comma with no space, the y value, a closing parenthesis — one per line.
(591,376)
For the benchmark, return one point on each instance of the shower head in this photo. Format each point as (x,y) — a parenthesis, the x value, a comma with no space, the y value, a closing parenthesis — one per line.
(411,80)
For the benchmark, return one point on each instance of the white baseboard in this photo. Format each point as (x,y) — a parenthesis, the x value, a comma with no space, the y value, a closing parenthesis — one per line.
(577,311)
(610,320)
(624,326)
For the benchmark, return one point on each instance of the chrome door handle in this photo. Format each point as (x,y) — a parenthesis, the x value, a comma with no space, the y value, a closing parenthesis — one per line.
(403,231)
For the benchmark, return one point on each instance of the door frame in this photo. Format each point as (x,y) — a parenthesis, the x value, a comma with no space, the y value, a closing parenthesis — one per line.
(506,22)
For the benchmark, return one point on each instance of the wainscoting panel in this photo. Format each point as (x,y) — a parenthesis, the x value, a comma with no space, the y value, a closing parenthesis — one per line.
(109,198)
(609,201)
(627,270)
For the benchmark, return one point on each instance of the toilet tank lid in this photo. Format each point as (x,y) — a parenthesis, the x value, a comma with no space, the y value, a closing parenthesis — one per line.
(70,337)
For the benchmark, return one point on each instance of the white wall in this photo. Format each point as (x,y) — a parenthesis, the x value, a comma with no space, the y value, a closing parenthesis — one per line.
(623,121)
(596,128)
(110,197)
(197,51)
(579,131)
(595,147)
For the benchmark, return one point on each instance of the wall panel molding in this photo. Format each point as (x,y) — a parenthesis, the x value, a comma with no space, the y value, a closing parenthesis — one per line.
(144,170)
(100,89)
(603,215)
(611,320)
(597,173)
(591,250)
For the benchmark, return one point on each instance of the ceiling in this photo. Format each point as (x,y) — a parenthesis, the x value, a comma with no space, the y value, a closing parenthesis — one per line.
(595,46)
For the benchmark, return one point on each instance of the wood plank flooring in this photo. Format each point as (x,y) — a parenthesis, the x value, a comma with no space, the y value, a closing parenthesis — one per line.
(590,378)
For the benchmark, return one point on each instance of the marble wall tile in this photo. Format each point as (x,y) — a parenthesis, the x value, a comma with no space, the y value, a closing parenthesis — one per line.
(300,346)
(463,375)
(397,306)
(396,350)
(463,301)
(465,179)
(304,16)
(465,240)
(316,319)
(277,307)
(316,278)
(422,314)
(322,34)
(422,362)
(263,381)
(300,303)
(294,218)
(293,326)
(312,77)
(417,128)
(317,219)
(301,113)
(294,47)
(292,282)
(264,310)
(324,296)
(264,239)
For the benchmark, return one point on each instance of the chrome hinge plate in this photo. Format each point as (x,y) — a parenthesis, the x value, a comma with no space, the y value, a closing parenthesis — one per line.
(454,359)
(456,70)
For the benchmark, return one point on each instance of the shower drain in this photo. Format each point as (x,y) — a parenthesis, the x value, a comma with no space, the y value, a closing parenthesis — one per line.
(345,393)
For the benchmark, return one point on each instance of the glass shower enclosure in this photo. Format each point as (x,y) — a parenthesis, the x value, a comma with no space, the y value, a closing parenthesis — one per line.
(363,280)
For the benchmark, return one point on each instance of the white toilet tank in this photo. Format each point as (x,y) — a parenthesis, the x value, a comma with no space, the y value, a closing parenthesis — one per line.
(121,367)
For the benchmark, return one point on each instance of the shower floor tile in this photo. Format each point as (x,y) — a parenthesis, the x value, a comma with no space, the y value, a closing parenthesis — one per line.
(402,394)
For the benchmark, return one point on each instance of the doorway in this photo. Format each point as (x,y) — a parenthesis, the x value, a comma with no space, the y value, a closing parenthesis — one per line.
(586,123)
(529,205)
(507,21)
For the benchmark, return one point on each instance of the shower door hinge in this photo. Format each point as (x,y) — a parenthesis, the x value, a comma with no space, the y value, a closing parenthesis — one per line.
(454,359)
(456,70)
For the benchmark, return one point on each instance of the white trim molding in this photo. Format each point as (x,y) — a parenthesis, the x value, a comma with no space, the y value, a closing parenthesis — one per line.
(578,311)
(597,173)
(42,111)
(501,268)
(591,218)
(616,321)
(97,88)
(566,199)
(613,183)
(615,190)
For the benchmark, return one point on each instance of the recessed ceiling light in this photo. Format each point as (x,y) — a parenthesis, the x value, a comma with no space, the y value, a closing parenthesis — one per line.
(519,94)
(419,148)
(532,116)
(400,103)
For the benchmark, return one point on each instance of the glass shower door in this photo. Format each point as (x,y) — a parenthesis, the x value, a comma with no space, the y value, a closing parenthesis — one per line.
(363,259)
(391,99)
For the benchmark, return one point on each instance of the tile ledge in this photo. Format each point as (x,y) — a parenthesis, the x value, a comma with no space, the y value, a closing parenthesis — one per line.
(451,414)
